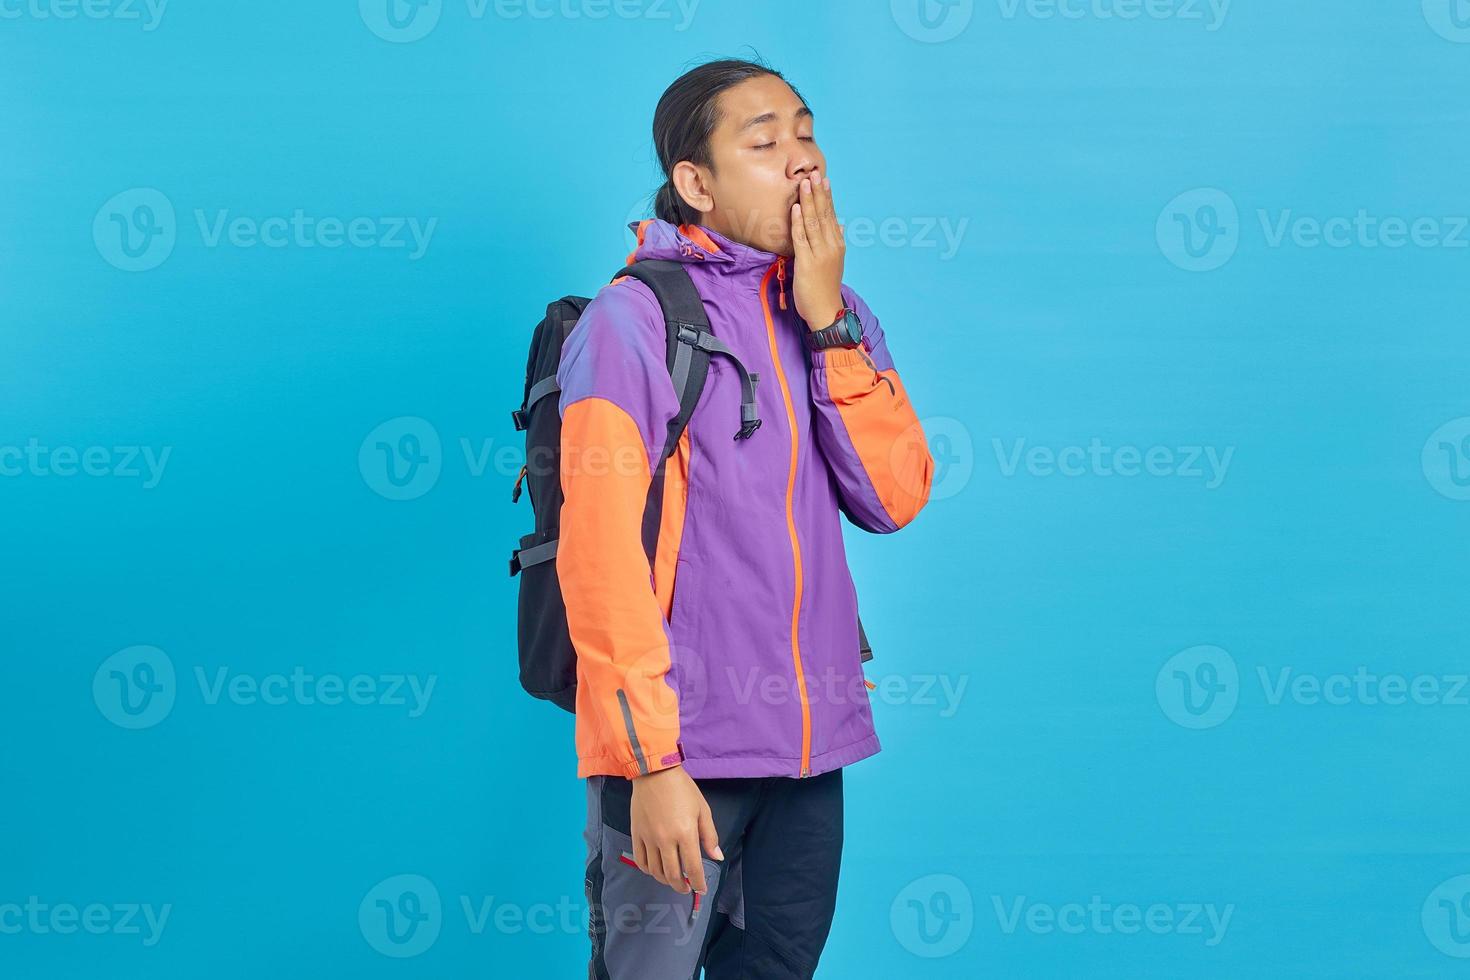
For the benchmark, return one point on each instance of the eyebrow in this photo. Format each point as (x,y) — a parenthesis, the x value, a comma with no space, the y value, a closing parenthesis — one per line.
(766,117)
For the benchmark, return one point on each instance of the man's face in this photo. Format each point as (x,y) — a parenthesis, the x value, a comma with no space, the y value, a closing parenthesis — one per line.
(762,147)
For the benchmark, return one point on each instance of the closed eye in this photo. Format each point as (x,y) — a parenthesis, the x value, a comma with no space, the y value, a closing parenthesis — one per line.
(767,146)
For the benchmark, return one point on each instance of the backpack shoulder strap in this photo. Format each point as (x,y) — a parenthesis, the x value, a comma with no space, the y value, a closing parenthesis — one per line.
(691,342)
(682,308)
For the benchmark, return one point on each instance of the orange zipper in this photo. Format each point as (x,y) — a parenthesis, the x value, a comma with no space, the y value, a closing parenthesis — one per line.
(806,712)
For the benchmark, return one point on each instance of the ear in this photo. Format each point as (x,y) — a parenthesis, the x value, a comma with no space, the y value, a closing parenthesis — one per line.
(692,185)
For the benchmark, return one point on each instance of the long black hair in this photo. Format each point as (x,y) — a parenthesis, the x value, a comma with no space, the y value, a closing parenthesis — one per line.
(684,119)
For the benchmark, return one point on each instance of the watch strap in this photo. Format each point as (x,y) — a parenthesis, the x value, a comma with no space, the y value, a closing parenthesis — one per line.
(834,334)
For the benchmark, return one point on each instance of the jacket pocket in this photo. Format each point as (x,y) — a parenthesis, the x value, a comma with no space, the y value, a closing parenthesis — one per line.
(682,590)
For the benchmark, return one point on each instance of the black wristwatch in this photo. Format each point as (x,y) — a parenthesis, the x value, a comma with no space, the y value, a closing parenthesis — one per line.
(846,332)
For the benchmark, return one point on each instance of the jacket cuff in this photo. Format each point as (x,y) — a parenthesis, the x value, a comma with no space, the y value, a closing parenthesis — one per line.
(669,761)
(627,766)
(839,357)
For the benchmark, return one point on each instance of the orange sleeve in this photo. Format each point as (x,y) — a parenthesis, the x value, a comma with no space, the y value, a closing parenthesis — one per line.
(627,713)
(869,432)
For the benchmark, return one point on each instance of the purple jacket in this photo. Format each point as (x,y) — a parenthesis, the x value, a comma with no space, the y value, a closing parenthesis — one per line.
(736,652)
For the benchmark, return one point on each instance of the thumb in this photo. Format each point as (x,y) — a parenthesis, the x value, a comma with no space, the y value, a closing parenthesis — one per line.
(709,839)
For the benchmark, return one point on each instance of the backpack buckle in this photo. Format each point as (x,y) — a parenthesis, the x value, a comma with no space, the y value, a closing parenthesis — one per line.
(518,419)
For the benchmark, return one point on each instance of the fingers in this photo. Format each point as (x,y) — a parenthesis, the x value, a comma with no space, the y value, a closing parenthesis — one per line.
(694,867)
(672,875)
(649,855)
(709,836)
(669,862)
(828,212)
(798,233)
(822,195)
(811,220)
(819,219)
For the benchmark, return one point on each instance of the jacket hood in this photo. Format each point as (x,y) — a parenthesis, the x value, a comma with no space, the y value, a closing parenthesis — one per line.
(658,239)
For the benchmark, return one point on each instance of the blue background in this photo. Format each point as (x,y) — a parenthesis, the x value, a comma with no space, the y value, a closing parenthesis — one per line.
(1076,763)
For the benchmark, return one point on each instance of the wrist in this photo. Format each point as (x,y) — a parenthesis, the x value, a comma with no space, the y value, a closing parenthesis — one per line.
(844,332)
(836,307)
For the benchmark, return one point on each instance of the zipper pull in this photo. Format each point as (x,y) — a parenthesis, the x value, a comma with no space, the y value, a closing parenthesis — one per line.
(781,280)
(515,493)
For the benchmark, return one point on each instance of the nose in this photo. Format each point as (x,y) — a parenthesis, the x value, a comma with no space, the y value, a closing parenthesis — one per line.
(804,163)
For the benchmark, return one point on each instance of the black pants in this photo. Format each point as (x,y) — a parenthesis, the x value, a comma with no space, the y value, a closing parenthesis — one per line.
(769,904)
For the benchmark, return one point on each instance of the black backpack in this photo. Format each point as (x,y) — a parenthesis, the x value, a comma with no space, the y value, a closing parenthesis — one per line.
(547,658)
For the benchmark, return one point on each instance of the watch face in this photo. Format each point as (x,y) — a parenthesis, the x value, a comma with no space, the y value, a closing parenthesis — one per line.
(852,328)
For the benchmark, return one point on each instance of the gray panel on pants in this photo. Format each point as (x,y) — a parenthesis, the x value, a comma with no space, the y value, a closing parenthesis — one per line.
(649,934)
